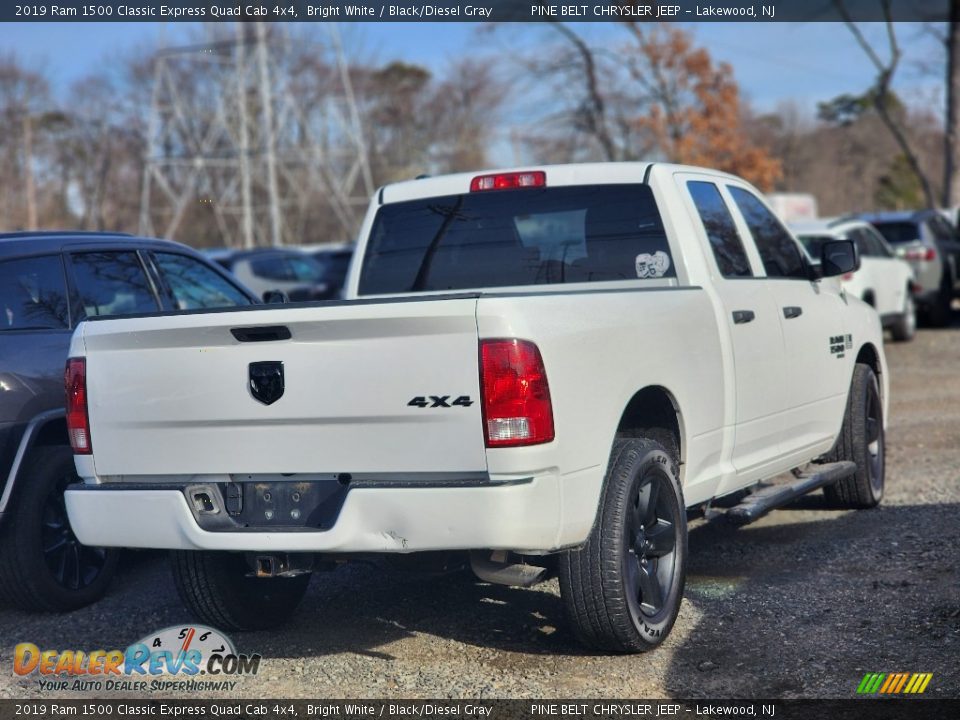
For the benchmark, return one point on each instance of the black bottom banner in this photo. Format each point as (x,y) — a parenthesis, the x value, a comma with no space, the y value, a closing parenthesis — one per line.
(874,709)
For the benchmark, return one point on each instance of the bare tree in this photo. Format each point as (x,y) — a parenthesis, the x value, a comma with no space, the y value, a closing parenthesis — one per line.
(951,181)
(24,97)
(880,95)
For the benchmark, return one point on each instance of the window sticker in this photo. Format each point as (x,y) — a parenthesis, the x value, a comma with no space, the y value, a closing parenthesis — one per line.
(652,266)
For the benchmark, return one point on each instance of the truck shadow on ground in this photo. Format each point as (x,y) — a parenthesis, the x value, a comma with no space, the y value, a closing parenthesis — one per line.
(830,593)
(797,605)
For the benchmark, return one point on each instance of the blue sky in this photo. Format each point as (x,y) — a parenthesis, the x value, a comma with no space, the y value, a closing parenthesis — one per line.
(773,62)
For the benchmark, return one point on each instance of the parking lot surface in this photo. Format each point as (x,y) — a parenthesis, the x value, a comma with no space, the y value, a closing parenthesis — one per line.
(802,603)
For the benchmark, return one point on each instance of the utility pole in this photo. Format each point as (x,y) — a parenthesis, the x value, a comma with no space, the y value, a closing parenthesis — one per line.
(246,198)
(266,100)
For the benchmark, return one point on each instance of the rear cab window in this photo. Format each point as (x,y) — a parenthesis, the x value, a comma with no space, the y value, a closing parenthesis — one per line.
(530,236)
(33,294)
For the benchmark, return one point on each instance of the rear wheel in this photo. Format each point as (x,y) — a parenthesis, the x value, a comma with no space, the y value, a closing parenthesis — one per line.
(42,564)
(906,324)
(862,442)
(622,590)
(215,586)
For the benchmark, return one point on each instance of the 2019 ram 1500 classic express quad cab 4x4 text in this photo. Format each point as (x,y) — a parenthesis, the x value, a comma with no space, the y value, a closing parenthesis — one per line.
(552,361)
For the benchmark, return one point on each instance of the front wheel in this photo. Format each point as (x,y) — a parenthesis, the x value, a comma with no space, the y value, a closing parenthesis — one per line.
(861,441)
(622,590)
(217,588)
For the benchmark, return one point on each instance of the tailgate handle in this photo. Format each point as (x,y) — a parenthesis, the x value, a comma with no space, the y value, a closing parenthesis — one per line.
(261,334)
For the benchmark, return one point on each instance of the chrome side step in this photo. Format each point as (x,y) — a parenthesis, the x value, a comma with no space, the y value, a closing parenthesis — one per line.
(767,498)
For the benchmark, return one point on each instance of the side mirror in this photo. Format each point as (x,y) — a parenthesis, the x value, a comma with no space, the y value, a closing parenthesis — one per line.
(838,257)
(272,297)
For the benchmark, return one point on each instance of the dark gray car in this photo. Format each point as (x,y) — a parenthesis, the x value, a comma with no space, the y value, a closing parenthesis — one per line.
(49,282)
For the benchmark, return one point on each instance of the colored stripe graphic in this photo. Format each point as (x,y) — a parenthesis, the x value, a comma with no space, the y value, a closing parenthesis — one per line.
(871,683)
(894,683)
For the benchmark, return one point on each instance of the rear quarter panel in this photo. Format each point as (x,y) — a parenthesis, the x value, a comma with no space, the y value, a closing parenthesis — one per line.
(599,349)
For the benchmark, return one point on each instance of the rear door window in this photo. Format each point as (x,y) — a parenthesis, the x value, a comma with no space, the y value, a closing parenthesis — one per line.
(722,232)
(778,250)
(33,294)
(112,283)
(194,285)
(531,236)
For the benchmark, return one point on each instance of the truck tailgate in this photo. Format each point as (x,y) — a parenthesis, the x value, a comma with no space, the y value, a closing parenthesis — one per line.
(171,395)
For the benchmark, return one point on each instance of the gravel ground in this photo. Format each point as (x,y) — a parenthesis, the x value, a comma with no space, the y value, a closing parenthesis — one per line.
(799,604)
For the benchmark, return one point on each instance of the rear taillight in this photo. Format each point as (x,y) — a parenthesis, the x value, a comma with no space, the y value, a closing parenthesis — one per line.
(78,422)
(920,253)
(507,181)
(516,398)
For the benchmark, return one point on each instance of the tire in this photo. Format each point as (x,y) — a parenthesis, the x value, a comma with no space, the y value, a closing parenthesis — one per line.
(905,326)
(215,587)
(42,564)
(861,441)
(622,590)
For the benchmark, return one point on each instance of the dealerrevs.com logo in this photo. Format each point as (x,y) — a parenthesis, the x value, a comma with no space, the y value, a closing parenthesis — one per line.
(184,658)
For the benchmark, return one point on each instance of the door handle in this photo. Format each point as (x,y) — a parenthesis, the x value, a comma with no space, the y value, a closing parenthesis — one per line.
(261,334)
(792,311)
(742,316)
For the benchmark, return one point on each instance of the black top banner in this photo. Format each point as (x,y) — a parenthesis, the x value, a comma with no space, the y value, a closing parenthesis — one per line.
(477,11)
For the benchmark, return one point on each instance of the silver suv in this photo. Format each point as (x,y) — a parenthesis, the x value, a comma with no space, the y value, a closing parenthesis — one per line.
(926,240)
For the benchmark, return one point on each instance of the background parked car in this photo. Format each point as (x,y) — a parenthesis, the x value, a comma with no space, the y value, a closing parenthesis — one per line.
(930,244)
(883,280)
(49,282)
(335,258)
(264,270)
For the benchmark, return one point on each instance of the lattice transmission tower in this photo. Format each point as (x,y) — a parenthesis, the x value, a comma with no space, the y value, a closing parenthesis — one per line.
(269,142)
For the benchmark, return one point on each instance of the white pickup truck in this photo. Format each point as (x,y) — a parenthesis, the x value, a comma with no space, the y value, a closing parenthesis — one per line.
(551,362)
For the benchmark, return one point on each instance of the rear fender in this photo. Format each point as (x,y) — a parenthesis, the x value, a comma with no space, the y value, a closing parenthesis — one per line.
(47,428)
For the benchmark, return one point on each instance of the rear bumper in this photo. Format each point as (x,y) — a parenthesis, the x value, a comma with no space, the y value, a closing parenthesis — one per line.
(525,516)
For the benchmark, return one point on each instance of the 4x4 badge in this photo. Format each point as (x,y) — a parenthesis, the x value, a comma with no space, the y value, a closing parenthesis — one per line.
(266,381)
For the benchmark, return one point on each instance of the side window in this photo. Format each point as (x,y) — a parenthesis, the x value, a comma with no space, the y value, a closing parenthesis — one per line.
(941,228)
(864,243)
(112,283)
(272,268)
(196,286)
(721,231)
(33,294)
(880,245)
(778,250)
